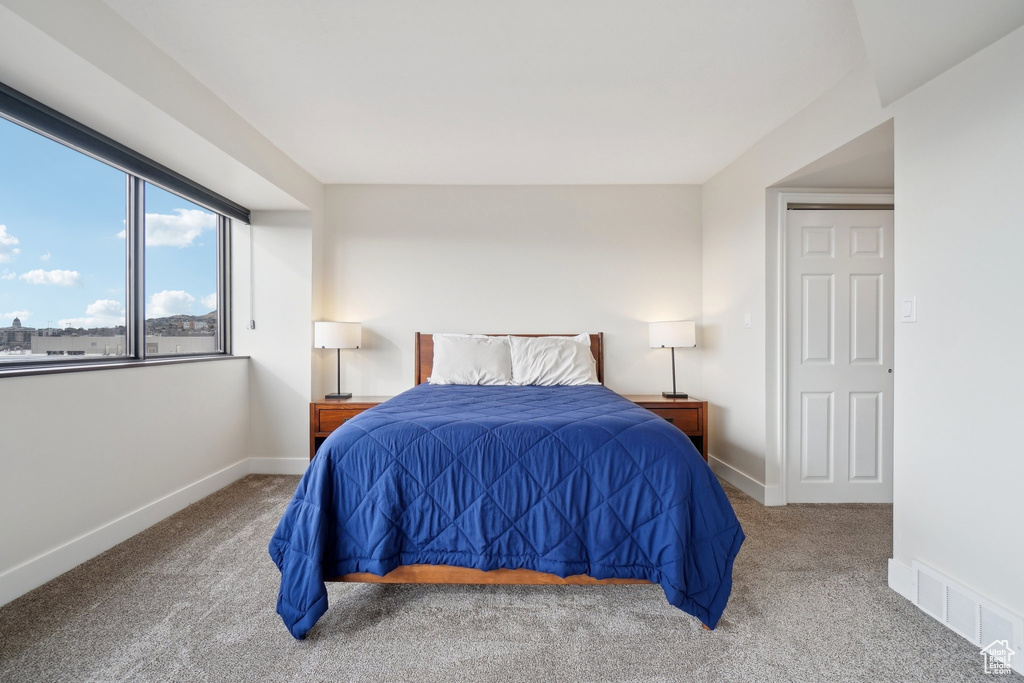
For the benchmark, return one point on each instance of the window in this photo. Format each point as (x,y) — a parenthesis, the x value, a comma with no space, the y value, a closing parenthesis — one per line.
(104,254)
(181,275)
(62,261)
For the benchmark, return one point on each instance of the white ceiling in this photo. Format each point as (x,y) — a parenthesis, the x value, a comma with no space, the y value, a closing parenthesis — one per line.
(911,42)
(866,162)
(525,92)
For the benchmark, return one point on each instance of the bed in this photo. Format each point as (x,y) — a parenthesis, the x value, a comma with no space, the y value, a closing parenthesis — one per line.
(507,484)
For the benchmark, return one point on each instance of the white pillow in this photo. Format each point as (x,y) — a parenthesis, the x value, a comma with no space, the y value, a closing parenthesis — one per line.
(553,361)
(471,359)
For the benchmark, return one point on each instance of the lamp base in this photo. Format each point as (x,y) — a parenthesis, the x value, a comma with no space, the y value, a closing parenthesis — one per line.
(672,394)
(349,395)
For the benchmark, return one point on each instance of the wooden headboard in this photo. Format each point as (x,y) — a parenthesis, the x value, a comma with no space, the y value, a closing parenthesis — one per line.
(425,352)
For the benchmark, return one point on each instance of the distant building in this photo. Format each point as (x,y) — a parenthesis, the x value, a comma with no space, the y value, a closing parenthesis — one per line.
(17,335)
(69,345)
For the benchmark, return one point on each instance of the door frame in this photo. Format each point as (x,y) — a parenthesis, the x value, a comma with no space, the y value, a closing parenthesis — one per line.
(776,463)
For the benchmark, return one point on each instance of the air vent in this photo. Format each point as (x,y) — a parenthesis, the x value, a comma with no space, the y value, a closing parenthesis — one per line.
(930,595)
(961,614)
(976,618)
(994,627)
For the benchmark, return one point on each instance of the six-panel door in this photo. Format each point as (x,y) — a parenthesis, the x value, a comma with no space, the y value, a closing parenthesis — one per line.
(839,343)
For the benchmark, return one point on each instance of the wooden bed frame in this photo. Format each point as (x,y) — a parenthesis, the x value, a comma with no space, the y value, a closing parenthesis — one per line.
(429,573)
(425,352)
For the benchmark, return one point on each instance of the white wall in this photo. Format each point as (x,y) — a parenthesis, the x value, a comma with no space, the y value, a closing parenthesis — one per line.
(959,472)
(83,450)
(402,259)
(738,377)
(318,294)
(280,346)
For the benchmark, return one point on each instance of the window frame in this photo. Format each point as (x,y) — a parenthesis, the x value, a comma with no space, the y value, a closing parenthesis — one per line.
(139,170)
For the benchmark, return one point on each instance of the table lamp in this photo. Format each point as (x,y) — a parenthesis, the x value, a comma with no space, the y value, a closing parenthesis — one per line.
(333,335)
(673,334)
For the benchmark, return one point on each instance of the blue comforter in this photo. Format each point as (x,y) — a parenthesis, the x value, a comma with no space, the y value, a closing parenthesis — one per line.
(566,480)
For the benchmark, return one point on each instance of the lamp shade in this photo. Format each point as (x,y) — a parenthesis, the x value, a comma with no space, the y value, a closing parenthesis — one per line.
(673,333)
(332,335)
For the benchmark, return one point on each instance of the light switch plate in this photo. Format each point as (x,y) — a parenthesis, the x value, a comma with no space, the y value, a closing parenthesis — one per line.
(908,309)
(746,319)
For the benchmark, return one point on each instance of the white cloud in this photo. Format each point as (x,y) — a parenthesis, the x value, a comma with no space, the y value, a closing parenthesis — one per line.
(61,278)
(6,318)
(180,229)
(45,257)
(105,307)
(8,275)
(170,302)
(209,302)
(8,245)
(100,313)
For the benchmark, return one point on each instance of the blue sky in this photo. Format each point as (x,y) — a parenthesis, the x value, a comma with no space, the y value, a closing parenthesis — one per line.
(62,248)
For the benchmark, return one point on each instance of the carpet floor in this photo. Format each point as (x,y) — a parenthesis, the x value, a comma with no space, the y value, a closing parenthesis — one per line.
(192,599)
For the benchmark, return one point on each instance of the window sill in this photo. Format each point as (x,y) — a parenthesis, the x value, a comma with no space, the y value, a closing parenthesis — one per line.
(60,368)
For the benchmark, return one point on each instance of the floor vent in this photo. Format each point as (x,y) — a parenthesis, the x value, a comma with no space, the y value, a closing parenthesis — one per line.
(995,627)
(930,596)
(977,619)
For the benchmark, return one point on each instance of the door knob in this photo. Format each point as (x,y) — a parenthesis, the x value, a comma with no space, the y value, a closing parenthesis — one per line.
(890,371)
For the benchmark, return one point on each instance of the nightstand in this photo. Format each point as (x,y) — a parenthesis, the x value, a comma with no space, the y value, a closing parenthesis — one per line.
(690,415)
(328,414)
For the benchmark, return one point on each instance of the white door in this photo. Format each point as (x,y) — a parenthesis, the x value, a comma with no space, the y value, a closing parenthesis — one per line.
(839,348)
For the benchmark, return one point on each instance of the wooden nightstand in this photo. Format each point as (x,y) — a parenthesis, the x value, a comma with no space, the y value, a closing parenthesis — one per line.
(330,413)
(689,414)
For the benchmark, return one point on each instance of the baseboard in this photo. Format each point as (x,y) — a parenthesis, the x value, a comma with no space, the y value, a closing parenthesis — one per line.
(278,465)
(33,573)
(743,482)
(773,496)
(901,579)
(976,618)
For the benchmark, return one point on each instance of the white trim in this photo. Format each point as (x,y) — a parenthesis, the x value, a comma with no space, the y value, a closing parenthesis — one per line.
(33,573)
(975,633)
(744,482)
(278,465)
(778,382)
(773,496)
(901,579)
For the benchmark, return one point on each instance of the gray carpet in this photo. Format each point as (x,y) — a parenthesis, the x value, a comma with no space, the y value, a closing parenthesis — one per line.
(192,599)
